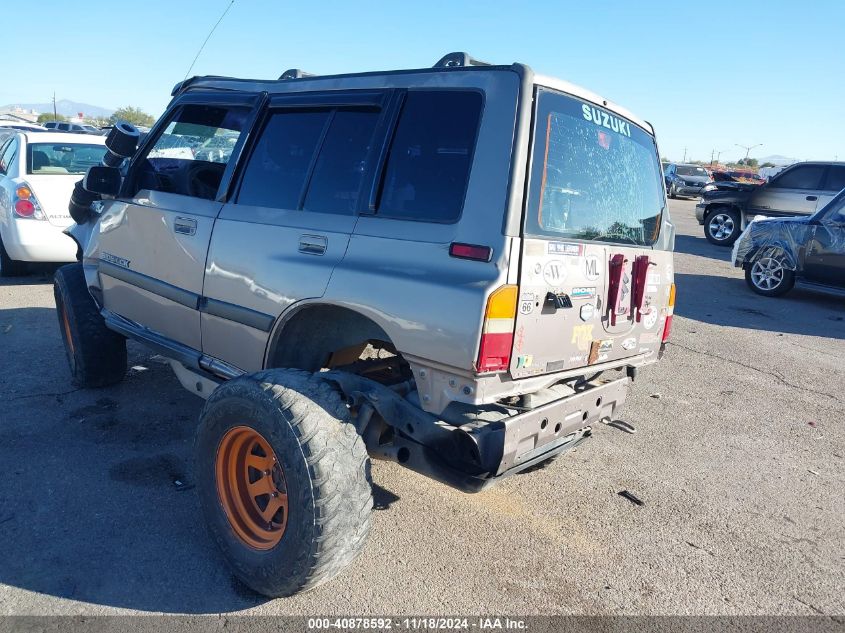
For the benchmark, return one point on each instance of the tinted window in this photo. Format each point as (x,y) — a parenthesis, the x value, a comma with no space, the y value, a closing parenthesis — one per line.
(62,158)
(63,126)
(276,172)
(835,180)
(595,175)
(191,154)
(336,181)
(691,170)
(802,177)
(430,156)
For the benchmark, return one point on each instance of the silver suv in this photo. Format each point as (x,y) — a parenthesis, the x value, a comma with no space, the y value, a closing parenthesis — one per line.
(458,268)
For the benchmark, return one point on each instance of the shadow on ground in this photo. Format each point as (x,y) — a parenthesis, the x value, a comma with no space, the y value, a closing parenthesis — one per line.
(729,301)
(97,498)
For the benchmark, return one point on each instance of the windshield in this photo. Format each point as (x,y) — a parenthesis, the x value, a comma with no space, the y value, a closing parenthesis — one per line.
(691,170)
(62,159)
(595,175)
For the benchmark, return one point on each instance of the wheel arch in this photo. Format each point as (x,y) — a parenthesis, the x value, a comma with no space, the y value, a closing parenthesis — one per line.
(308,333)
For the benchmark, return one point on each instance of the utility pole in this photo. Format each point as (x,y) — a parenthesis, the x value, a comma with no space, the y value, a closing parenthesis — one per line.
(55,116)
(685,155)
(717,154)
(748,149)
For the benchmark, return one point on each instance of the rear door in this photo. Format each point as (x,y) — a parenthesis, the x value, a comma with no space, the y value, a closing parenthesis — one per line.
(824,259)
(834,182)
(288,224)
(794,191)
(154,239)
(593,288)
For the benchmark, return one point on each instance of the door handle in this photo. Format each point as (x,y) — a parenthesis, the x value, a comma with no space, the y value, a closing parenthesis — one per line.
(812,198)
(312,244)
(185,226)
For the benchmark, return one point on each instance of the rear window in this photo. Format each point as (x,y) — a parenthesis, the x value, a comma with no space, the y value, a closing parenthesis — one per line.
(62,158)
(430,156)
(596,176)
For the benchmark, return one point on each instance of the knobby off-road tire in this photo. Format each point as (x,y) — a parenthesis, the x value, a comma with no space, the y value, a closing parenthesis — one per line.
(8,266)
(97,356)
(319,477)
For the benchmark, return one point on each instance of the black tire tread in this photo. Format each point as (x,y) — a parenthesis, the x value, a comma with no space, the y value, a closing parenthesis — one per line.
(99,358)
(338,468)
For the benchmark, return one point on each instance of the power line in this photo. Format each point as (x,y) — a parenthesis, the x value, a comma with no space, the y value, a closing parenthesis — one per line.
(208,38)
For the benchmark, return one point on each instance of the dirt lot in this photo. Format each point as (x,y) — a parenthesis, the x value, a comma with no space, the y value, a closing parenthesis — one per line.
(739,457)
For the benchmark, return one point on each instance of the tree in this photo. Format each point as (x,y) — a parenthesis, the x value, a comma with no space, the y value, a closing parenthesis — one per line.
(767,165)
(751,162)
(49,116)
(130,114)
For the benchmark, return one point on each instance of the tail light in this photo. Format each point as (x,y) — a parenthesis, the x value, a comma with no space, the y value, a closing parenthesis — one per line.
(26,205)
(497,335)
(667,329)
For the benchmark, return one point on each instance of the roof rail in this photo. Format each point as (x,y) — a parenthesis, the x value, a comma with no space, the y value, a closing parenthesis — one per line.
(295,73)
(454,60)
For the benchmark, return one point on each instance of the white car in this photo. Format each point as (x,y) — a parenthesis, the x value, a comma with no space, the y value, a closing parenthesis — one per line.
(9,127)
(37,173)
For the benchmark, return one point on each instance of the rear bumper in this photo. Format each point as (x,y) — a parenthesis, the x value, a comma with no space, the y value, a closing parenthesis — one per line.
(700,208)
(512,445)
(37,241)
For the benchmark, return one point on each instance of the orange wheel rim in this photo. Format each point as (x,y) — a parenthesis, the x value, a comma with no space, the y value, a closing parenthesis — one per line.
(66,325)
(251,487)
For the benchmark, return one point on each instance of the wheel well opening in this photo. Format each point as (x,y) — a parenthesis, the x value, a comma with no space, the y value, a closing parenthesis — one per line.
(332,337)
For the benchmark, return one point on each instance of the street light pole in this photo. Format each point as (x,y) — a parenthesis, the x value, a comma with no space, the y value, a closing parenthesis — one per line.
(748,149)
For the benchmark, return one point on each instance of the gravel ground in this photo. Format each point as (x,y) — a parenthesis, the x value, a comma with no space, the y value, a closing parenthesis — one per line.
(738,457)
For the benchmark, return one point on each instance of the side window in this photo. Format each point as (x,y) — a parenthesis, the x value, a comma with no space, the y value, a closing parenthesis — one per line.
(191,154)
(278,166)
(336,181)
(314,160)
(7,155)
(430,156)
(835,180)
(801,177)
(63,126)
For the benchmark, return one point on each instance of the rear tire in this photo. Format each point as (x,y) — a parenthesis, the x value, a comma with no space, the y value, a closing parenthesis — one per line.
(10,267)
(97,356)
(722,226)
(317,462)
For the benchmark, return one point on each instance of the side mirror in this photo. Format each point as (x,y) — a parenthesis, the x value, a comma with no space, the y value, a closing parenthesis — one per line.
(102,180)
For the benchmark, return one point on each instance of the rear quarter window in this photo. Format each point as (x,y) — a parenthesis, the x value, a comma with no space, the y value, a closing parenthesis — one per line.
(428,165)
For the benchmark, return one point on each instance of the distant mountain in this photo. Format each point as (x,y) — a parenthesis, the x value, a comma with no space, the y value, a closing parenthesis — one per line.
(65,107)
(777,160)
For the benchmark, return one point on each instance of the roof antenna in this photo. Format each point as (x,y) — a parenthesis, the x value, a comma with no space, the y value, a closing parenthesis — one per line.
(208,38)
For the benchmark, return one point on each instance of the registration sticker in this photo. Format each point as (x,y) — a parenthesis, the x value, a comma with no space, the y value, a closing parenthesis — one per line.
(564,248)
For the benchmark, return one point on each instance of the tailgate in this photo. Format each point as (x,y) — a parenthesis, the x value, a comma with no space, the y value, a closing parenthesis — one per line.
(574,312)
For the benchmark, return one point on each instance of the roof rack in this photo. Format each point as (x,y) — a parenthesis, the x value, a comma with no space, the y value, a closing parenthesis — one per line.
(455,60)
(295,73)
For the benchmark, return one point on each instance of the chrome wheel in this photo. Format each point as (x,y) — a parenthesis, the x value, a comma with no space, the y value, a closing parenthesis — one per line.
(721,226)
(767,273)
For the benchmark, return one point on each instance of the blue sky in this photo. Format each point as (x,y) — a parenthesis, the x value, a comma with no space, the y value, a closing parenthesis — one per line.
(708,74)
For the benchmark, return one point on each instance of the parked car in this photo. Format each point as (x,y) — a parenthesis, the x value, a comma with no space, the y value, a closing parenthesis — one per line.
(73,128)
(37,174)
(798,190)
(685,180)
(8,128)
(374,226)
(778,254)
